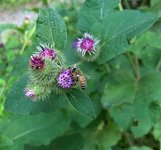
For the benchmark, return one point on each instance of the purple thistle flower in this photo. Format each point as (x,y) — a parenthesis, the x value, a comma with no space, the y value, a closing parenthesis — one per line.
(65,79)
(87,44)
(30,93)
(47,53)
(36,62)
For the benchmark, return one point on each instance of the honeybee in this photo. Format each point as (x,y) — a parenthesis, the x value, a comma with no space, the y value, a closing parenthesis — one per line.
(78,77)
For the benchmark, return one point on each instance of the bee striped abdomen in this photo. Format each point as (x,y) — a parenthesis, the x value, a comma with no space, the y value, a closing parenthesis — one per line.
(82,82)
(78,76)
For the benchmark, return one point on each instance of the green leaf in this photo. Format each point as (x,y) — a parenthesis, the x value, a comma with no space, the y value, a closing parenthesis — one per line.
(123,115)
(36,129)
(101,136)
(115,93)
(113,28)
(116,31)
(93,11)
(137,110)
(140,148)
(16,101)
(121,62)
(5,141)
(110,135)
(77,117)
(153,39)
(51,28)
(81,102)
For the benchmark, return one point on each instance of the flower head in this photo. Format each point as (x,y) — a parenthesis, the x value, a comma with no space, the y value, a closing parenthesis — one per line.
(30,93)
(87,44)
(36,62)
(65,79)
(46,52)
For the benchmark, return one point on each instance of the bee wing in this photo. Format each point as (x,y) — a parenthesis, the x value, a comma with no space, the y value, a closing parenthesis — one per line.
(89,77)
(75,65)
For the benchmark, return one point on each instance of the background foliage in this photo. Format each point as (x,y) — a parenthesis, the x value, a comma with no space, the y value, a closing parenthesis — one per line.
(121,107)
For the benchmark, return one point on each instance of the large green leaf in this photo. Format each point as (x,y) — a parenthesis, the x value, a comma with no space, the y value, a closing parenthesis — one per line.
(36,129)
(16,101)
(137,108)
(115,93)
(101,136)
(140,148)
(118,29)
(51,28)
(93,11)
(81,102)
(77,117)
(123,115)
(114,29)
(110,135)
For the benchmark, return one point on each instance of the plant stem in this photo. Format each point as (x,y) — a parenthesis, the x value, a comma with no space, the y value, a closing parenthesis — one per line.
(120,6)
(135,65)
(126,135)
(138,76)
(27,40)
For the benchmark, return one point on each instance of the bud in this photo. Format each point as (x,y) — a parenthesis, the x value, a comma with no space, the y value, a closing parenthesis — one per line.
(30,93)
(28,17)
(46,53)
(47,75)
(36,62)
(46,65)
(50,53)
(36,91)
(27,20)
(86,46)
(65,79)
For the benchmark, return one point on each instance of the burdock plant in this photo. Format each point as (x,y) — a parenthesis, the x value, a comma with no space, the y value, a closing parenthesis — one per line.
(44,67)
